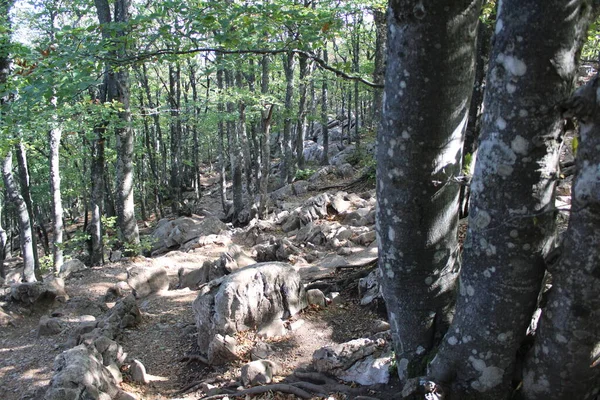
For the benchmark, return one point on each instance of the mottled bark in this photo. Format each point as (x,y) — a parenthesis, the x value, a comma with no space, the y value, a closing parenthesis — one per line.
(301,124)
(287,169)
(57,210)
(221,133)
(379,61)
(265,141)
(324,113)
(25,235)
(235,156)
(243,137)
(175,130)
(419,153)
(511,219)
(564,361)
(3,240)
(23,169)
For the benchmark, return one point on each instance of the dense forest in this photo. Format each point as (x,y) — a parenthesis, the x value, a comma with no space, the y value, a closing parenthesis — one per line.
(115,114)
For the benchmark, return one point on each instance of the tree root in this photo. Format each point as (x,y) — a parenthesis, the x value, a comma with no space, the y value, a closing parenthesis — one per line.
(278,387)
(194,357)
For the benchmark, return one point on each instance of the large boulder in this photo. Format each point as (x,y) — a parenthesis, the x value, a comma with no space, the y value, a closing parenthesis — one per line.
(147,280)
(257,296)
(79,374)
(172,234)
(34,293)
(70,267)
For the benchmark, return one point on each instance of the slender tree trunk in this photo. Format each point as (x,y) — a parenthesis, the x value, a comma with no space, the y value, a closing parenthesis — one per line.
(221,132)
(243,137)
(175,125)
(419,156)
(25,235)
(324,113)
(57,211)
(287,163)
(26,193)
(265,146)
(564,361)
(302,111)
(511,222)
(196,114)
(356,68)
(3,240)
(235,156)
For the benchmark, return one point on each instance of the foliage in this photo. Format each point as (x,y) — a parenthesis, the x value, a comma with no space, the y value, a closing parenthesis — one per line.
(304,174)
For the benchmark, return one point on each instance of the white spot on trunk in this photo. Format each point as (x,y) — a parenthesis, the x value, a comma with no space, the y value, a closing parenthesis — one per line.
(470,290)
(405,135)
(520,145)
(560,338)
(510,88)
(499,26)
(452,340)
(523,113)
(403,84)
(391,234)
(420,350)
(490,376)
(428,280)
(512,64)
(501,123)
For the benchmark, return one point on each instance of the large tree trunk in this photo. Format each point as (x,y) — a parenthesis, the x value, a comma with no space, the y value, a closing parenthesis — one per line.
(117,82)
(265,141)
(379,61)
(235,154)
(221,133)
(25,235)
(419,158)
(511,219)
(564,361)
(302,125)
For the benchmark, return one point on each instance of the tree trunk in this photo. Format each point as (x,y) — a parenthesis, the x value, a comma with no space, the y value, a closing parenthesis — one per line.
(126,220)
(26,193)
(324,113)
(175,125)
(57,211)
(235,156)
(511,222)
(301,131)
(265,144)
(286,170)
(221,133)
(419,157)
(564,361)
(25,235)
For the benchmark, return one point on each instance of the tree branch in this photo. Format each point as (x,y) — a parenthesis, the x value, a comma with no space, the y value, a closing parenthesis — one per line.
(315,58)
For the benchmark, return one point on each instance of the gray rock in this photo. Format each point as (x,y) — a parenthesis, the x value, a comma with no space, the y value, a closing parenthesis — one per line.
(80,375)
(113,293)
(138,372)
(49,326)
(252,297)
(368,288)
(315,297)
(126,396)
(147,280)
(380,326)
(6,319)
(70,267)
(363,361)
(115,256)
(291,223)
(222,349)
(33,294)
(261,351)
(366,238)
(259,372)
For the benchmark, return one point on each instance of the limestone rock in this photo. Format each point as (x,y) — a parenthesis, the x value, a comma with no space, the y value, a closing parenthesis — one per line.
(80,375)
(70,267)
(138,372)
(147,280)
(368,288)
(222,349)
(33,294)
(259,372)
(364,361)
(315,297)
(49,326)
(252,297)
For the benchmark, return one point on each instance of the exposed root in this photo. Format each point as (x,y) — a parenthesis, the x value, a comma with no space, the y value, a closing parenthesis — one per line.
(278,387)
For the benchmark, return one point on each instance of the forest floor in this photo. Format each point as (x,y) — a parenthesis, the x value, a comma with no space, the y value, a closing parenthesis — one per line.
(167,332)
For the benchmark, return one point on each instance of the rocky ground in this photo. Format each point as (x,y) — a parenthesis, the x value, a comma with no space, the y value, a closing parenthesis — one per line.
(327,236)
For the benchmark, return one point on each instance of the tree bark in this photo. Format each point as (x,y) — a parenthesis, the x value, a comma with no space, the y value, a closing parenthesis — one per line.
(564,361)
(26,193)
(511,219)
(287,162)
(221,133)
(419,156)
(175,125)
(302,111)
(379,61)
(57,211)
(265,141)
(25,235)
(324,113)
(235,156)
